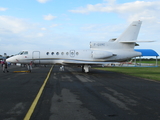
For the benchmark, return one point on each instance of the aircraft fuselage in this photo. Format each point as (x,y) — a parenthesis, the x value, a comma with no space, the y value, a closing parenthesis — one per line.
(67,56)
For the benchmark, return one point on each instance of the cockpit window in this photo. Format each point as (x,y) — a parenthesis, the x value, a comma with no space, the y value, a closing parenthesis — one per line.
(20,53)
(23,53)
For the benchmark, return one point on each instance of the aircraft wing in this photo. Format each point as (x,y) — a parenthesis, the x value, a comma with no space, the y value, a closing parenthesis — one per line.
(79,62)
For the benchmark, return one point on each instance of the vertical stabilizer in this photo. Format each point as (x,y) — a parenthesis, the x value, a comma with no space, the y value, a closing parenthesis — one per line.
(131,33)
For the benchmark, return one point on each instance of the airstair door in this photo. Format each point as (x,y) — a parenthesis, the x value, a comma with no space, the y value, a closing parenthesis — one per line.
(36,57)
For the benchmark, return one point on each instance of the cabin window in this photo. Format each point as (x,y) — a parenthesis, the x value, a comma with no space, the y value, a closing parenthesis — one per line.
(72,53)
(57,53)
(77,53)
(67,53)
(62,53)
(47,53)
(52,53)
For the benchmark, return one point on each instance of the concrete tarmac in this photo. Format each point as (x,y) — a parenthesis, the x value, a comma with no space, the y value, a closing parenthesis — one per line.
(73,95)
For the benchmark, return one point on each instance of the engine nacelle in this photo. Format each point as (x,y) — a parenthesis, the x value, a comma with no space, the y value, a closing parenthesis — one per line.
(101,54)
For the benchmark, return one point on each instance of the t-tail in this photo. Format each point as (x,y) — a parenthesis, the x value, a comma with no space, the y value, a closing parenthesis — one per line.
(126,41)
(131,33)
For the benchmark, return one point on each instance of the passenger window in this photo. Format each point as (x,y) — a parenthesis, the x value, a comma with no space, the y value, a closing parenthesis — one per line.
(52,53)
(67,53)
(72,53)
(57,53)
(47,53)
(62,53)
(77,53)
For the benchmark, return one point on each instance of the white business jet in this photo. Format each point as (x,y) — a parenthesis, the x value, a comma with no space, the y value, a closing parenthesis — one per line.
(100,53)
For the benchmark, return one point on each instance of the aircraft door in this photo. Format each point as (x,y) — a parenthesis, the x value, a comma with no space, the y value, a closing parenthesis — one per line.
(72,53)
(36,57)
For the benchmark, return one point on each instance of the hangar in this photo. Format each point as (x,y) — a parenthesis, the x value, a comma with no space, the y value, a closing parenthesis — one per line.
(148,52)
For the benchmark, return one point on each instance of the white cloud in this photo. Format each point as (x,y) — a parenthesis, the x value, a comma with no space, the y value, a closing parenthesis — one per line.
(131,10)
(40,34)
(11,24)
(43,29)
(54,25)
(3,9)
(110,1)
(136,6)
(49,17)
(43,1)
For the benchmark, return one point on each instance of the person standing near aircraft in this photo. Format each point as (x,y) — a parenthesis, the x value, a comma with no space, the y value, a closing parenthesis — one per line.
(5,67)
(2,63)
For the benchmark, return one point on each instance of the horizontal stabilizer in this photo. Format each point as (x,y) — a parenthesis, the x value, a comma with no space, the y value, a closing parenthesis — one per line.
(135,41)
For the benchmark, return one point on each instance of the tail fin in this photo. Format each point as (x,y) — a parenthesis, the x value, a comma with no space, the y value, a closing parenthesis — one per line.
(131,33)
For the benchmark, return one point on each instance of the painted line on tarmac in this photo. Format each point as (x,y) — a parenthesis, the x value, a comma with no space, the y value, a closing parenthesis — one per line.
(20,71)
(32,107)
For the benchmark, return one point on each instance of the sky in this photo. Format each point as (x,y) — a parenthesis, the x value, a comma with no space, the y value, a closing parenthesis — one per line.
(72,24)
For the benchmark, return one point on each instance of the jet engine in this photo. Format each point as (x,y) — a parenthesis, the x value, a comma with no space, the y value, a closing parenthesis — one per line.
(101,54)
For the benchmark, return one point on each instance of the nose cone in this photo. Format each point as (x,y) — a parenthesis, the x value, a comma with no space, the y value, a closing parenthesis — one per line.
(11,60)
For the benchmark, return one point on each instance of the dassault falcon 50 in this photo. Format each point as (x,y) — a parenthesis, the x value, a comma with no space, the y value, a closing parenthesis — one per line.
(100,53)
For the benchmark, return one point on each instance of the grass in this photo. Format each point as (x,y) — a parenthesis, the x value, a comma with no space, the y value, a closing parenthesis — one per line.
(143,72)
(149,62)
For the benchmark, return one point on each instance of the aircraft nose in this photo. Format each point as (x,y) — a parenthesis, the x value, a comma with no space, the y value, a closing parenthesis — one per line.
(10,60)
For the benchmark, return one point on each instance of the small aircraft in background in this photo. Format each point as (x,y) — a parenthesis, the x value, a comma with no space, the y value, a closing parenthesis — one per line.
(115,50)
(3,57)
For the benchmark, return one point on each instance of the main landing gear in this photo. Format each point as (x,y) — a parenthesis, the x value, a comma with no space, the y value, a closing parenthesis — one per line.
(85,68)
(29,66)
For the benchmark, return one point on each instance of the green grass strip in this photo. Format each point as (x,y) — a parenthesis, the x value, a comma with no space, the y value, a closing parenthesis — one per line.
(143,72)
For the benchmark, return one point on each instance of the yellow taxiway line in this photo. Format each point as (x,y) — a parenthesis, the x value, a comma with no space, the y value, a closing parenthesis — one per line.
(32,107)
(21,71)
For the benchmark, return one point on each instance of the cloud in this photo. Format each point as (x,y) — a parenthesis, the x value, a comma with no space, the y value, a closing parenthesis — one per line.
(131,10)
(18,34)
(10,24)
(43,29)
(3,9)
(53,25)
(40,34)
(43,1)
(136,6)
(49,17)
